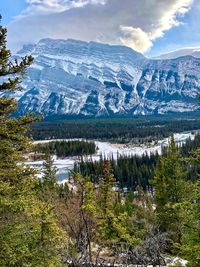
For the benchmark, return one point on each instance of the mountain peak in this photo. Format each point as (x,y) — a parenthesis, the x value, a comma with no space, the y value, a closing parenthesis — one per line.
(88,78)
(26,49)
(62,46)
(195,52)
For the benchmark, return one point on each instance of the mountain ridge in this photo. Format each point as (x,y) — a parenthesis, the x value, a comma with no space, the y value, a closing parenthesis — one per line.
(71,77)
(195,52)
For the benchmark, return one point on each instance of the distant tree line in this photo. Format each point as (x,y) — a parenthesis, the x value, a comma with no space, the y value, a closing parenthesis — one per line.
(67,148)
(114,130)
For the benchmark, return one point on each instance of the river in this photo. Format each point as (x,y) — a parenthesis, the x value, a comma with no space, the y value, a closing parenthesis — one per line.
(107,149)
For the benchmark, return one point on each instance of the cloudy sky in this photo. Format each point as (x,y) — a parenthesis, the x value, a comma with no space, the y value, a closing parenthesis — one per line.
(152,27)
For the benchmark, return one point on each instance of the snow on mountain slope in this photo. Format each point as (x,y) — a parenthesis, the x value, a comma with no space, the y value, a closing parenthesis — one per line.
(195,52)
(92,79)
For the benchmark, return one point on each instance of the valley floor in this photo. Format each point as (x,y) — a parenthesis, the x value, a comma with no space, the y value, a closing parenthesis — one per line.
(109,150)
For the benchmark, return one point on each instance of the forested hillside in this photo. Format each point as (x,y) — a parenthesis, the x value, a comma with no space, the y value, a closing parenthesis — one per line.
(85,222)
(120,130)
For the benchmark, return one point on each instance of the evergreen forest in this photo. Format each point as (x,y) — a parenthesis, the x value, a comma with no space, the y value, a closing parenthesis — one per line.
(116,130)
(85,222)
(67,148)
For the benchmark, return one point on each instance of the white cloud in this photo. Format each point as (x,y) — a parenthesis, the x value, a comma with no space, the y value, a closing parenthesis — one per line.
(135,38)
(49,6)
(135,23)
(54,6)
(143,40)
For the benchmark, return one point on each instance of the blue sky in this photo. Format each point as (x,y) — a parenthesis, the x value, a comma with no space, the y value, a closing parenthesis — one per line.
(185,35)
(11,8)
(151,27)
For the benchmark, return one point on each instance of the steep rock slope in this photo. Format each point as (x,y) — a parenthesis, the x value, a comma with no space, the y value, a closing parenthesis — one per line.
(79,78)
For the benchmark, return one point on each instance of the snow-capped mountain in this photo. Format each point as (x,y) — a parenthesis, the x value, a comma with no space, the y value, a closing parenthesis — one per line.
(195,52)
(79,78)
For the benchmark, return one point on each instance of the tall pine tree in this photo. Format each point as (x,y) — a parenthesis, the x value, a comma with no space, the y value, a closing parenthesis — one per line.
(49,177)
(29,235)
(169,190)
(190,212)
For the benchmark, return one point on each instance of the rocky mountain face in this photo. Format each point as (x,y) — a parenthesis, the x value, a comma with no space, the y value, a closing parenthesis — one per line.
(79,78)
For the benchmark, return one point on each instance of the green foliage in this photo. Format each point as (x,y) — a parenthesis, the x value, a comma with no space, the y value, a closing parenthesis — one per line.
(31,237)
(169,190)
(190,211)
(129,171)
(35,215)
(87,191)
(83,210)
(106,203)
(121,220)
(49,172)
(68,148)
(29,234)
(121,130)
(177,201)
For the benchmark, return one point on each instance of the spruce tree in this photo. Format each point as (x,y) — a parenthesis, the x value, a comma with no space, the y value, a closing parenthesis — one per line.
(190,245)
(169,190)
(49,176)
(190,214)
(112,218)
(106,200)
(29,235)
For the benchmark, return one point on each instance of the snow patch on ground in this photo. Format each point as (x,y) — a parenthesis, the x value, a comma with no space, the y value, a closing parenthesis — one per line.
(108,150)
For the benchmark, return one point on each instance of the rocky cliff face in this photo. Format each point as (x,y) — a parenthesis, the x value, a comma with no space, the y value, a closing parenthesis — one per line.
(78,78)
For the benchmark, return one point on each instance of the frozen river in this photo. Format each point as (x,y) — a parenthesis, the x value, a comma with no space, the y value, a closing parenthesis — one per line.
(105,148)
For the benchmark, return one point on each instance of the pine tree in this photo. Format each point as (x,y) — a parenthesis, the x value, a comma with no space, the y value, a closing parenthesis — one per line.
(29,235)
(169,190)
(190,245)
(190,214)
(106,200)
(49,172)
(112,225)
